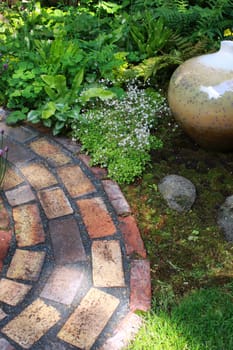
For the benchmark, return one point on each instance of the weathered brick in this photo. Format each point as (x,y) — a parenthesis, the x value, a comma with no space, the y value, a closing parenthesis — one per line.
(76,182)
(116,197)
(140,285)
(11,179)
(32,323)
(4,217)
(100,173)
(124,333)
(18,154)
(28,226)
(89,319)
(20,133)
(66,241)
(50,152)
(63,284)
(26,265)
(5,345)
(5,238)
(20,195)
(96,217)
(107,264)
(38,176)
(132,237)
(54,202)
(12,292)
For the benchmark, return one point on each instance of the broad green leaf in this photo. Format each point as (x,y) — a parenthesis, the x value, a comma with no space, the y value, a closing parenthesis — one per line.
(15,117)
(99,92)
(50,92)
(48,110)
(78,79)
(34,116)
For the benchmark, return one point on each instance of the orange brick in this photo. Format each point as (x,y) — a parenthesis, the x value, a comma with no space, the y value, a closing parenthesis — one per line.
(38,176)
(96,217)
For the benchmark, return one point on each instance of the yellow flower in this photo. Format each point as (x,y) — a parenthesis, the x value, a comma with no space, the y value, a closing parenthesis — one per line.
(227,32)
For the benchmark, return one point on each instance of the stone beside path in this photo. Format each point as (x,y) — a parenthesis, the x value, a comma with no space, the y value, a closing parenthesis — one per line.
(73,265)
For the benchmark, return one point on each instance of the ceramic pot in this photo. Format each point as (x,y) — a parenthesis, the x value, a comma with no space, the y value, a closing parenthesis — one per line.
(200,96)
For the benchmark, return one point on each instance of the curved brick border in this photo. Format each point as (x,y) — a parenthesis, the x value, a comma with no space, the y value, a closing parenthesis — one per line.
(54,187)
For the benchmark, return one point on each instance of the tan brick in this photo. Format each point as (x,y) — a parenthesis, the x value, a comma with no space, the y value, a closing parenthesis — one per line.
(2,316)
(132,237)
(26,265)
(11,179)
(38,176)
(124,333)
(63,284)
(12,292)
(50,152)
(28,226)
(54,202)
(96,217)
(89,319)
(140,285)
(107,264)
(76,182)
(4,217)
(31,324)
(20,195)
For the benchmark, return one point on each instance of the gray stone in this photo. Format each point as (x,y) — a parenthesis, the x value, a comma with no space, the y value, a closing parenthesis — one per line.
(225,218)
(178,192)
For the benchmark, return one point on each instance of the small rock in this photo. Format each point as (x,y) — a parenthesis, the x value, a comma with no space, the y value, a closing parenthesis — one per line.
(225,218)
(179,192)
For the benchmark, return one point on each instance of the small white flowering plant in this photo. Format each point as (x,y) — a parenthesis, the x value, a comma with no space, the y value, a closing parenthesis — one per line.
(119,133)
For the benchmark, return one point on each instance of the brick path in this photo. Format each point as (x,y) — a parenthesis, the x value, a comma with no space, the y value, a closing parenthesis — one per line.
(74,268)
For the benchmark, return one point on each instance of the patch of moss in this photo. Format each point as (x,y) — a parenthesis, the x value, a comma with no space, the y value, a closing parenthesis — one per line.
(186,250)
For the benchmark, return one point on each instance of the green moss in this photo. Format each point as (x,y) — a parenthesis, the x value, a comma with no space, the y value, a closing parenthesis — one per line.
(186,250)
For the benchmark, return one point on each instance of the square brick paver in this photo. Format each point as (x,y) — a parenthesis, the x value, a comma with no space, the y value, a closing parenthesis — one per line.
(107,264)
(66,240)
(26,265)
(38,176)
(12,292)
(76,182)
(20,195)
(89,319)
(54,202)
(31,324)
(96,217)
(63,284)
(50,152)
(28,226)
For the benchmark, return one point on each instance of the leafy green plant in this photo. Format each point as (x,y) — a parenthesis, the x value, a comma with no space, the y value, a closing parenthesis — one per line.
(118,133)
(3,158)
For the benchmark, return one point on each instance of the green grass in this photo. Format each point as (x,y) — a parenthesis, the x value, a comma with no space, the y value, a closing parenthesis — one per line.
(202,321)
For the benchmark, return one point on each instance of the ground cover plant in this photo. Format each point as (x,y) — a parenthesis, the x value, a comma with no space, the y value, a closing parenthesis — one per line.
(98,71)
